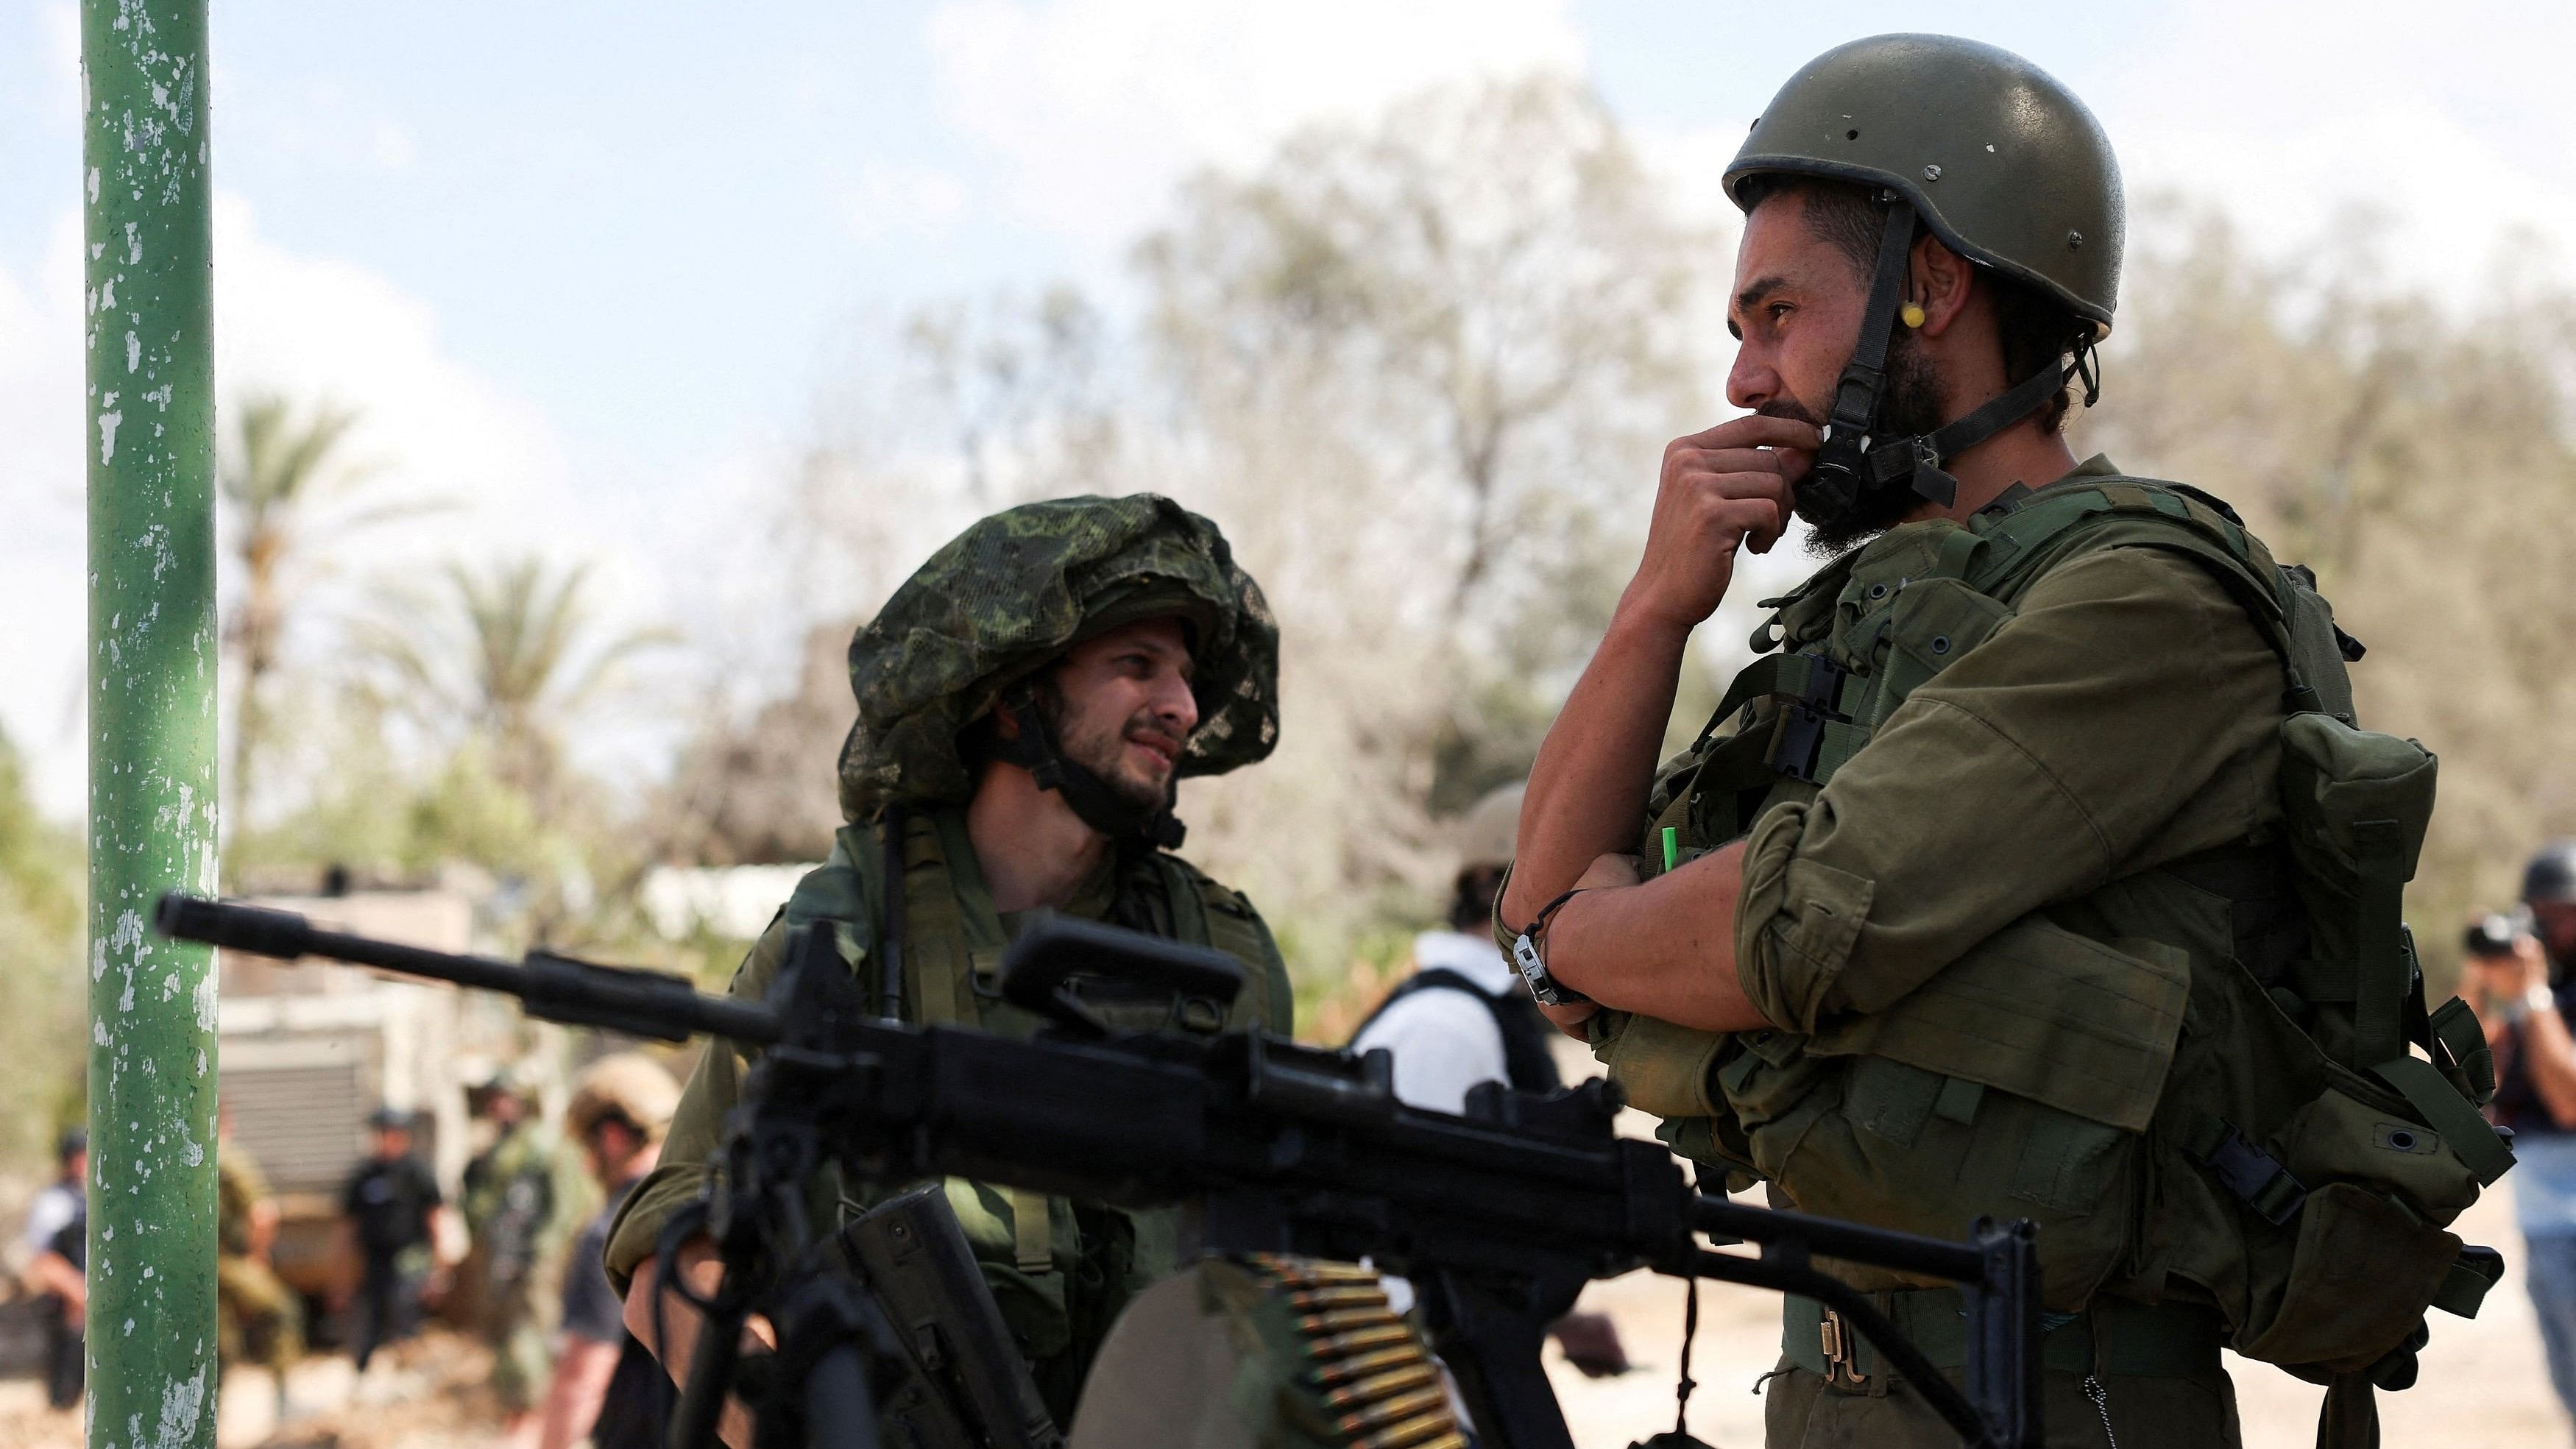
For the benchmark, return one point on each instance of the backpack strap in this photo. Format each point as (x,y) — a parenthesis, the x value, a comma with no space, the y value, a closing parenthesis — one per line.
(850,890)
(1527,1066)
(2016,546)
(1430,978)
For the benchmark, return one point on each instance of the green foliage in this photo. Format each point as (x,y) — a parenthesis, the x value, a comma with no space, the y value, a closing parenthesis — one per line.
(41,1004)
(503,658)
(285,486)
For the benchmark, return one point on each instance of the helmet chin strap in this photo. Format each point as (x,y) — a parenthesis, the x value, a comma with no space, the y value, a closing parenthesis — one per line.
(1093,800)
(1851,462)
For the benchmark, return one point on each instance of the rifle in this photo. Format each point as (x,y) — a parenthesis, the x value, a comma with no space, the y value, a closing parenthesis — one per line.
(1497,1216)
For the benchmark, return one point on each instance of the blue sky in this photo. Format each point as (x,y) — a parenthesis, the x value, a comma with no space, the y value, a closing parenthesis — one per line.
(586,266)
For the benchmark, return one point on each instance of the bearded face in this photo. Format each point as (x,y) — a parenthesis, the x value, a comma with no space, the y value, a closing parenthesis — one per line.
(1123,708)
(1909,403)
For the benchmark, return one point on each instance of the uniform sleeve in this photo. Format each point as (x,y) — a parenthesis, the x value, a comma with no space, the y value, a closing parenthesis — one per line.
(697,1127)
(2124,717)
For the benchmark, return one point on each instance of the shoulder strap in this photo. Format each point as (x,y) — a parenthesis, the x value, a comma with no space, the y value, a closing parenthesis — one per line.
(1205,913)
(851,891)
(1527,1063)
(1434,978)
(2016,546)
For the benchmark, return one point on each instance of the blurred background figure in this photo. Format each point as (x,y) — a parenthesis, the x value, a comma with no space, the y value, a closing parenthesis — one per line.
(2515,965)
(1463,1017)
(57,1244)
(392,1205)
(259,1320)
(522,1197)
(607,1388)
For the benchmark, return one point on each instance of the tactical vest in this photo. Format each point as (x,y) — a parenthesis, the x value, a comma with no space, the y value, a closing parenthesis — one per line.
(2196,1079)
(1039,1253)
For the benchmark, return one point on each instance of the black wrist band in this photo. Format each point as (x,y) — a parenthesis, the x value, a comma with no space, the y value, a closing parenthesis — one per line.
(1538,923)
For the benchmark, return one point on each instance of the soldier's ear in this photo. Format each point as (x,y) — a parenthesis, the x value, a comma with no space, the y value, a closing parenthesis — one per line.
(1938,282)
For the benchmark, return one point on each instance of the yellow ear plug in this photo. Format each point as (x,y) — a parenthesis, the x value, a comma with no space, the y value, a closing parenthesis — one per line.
(1912,313)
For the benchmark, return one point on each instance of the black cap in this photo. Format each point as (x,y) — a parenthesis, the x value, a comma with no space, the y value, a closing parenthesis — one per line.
(384,1117)
(2551,876)
(74,1139)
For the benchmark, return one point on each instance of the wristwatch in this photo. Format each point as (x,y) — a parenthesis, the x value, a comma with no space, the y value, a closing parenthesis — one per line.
(2522,1008)
(1532,965)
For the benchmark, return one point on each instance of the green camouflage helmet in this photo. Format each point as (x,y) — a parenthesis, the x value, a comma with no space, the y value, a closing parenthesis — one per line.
(1016,590)
(2003,163)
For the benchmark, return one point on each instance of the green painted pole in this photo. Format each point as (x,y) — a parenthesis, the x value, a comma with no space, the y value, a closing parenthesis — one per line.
(149,435)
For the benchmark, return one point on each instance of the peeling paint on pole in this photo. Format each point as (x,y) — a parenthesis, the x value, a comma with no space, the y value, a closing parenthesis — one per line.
(149,436)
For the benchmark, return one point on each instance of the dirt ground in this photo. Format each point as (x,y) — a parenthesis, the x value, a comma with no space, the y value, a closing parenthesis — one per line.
(2483,1381)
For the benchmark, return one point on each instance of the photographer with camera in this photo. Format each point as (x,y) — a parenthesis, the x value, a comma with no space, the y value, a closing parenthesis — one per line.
(2514,965)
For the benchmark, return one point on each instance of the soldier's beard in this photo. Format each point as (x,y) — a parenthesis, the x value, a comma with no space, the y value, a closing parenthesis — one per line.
(1909,404)
(1104,752)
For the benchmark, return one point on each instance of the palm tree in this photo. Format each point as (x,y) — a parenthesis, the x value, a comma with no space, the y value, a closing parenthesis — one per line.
(505,657)
(285,486)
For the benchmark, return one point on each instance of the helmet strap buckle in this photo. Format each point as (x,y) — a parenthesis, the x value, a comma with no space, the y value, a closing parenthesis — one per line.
(1092,799)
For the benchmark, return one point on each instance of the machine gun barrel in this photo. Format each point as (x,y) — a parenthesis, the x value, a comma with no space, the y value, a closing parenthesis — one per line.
(1498,1214)
(556,988)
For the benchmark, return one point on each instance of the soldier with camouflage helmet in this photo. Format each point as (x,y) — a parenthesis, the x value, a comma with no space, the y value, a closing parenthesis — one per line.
(524,1197)
(2037,867)
(1027,704)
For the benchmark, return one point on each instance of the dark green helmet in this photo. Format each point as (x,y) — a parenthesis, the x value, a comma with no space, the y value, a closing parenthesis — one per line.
(2003,163)
(1996,159)
(1012,593)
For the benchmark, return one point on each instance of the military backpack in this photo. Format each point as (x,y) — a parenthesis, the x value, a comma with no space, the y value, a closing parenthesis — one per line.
(2219,1073)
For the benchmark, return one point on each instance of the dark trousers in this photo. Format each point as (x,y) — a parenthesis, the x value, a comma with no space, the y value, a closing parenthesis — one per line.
(63,1368)
(388,1307)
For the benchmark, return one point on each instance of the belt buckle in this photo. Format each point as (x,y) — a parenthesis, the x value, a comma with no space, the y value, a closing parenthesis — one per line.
(1841,1348)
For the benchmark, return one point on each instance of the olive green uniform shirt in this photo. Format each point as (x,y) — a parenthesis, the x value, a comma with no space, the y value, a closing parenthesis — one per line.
(714,1088)
(1060,1270)
(2124,717)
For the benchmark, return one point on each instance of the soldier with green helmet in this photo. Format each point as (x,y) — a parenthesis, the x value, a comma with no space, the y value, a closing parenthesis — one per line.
(1027,704)
(524,1197)
(2037,867)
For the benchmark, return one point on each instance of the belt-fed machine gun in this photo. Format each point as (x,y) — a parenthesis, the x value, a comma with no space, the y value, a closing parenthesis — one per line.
(1497,1216)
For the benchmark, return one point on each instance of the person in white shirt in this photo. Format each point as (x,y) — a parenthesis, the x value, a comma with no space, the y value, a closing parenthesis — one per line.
(1463,1018)
(56,1251)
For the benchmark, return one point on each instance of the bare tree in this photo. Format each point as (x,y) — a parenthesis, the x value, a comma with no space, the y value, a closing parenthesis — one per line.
(2422,460)
(1423,371)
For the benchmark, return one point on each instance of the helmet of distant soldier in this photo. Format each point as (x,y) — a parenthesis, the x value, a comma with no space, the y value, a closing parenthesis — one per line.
(2551,875)
(1009,596)
(1485,836)
(628,1087)
(511,1080)
(2001,161)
